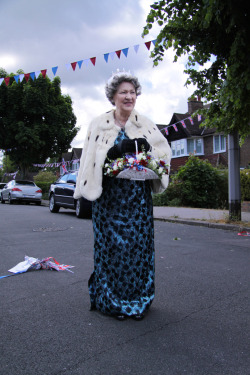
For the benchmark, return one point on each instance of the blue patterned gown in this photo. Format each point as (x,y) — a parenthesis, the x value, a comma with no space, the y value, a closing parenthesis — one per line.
(123,277)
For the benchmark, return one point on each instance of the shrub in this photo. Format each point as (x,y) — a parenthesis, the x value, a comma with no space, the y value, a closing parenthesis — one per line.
(197,184)
(44,179)
(245,185)
(45,176)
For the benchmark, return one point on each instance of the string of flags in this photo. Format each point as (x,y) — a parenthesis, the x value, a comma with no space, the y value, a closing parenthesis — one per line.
(182,122)
(57,164)
(75,64)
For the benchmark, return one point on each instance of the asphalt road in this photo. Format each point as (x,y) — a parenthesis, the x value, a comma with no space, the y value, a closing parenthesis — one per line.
(197,325)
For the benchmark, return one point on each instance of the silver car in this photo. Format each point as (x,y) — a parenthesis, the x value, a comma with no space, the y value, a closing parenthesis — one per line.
(21,190)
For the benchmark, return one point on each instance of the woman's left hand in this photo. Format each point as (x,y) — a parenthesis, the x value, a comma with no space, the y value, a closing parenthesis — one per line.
(143,144)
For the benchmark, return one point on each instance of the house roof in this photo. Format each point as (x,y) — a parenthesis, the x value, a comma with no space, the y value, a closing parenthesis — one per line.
(75,153)
(191,130)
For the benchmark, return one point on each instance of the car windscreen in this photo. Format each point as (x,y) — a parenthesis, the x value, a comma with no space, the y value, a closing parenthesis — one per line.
(28,183)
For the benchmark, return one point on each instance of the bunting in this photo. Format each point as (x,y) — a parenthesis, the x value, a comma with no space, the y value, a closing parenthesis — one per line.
(182,122)
(63,163)
(73,65)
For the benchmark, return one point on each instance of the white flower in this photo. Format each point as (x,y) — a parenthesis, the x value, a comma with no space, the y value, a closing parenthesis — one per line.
(115,167)
(106,165)
(108,171)
(119,164)
(141,156)
(160,170)
(131,160)
(154,164)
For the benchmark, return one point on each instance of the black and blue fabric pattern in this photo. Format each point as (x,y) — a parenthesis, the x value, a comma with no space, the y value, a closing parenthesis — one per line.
(124,270)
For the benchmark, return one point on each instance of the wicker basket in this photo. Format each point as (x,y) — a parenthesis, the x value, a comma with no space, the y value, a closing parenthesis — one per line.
(134,174)
(138,175)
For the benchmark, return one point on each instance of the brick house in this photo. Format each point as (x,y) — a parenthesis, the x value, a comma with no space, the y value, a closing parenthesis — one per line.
(186,136)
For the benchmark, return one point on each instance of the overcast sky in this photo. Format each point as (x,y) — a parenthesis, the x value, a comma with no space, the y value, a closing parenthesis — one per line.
(37,35)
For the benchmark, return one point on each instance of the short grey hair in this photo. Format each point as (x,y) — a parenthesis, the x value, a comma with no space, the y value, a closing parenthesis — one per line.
(116,79)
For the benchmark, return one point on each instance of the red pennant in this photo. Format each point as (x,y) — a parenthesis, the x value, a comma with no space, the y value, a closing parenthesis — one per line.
(7,80)
(93,60)
(44,71)
(73,65)
(148,44)
(118,53)
(27,76)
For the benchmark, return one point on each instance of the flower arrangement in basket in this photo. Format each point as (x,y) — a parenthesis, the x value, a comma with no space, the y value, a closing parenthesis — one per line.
(137,166)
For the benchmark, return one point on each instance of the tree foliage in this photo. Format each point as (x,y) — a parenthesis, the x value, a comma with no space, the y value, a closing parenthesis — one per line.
(210,30)
(36,120)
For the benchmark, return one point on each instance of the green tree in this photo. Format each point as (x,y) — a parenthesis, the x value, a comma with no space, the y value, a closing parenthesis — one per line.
(36,121)
(210,30)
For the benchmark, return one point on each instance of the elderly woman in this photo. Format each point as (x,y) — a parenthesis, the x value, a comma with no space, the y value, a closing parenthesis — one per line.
(122,284)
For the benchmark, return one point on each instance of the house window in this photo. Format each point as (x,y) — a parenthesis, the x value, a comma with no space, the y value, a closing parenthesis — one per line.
(185,147)
(219,143)
(178,148)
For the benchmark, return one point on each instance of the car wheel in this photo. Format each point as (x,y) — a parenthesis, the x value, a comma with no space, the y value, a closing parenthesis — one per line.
(79,208)
(10,200)
(2,200)
(52,205)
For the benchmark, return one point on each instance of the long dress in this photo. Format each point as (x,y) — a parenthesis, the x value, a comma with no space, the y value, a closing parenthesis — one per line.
(124,270)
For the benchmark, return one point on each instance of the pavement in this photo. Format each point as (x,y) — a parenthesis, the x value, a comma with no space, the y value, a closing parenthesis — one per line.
(198,216)
(202,217)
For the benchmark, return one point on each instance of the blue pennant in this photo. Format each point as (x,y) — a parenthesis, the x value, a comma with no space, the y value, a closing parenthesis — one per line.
(54,70)
(106,57)
(125,51)
(32,75)
(80,63)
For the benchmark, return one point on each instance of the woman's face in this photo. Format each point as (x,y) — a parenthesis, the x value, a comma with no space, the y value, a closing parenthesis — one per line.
(125,97)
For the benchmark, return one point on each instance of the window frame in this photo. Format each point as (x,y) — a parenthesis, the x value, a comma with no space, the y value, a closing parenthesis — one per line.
(185,144)
(220,148)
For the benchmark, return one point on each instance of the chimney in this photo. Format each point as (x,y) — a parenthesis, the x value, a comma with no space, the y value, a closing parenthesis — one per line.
(194,104)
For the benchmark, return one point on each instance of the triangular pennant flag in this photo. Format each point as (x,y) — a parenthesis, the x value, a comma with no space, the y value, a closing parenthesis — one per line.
(93,60)
(86,62)
(37,73)
(118,53)
(67,66)
(199,117)
(125,51)
(27,76)
(7,80)
(16,78)
(166,131)
(175,128)
(73,64)
(54,70)
(154,41)
(148,44)
(1,80)
(44,71)
(136,47)
(32,75)
(21,77)
(112,55)
(80,63)
(106,57)
(183,124)
(191,120)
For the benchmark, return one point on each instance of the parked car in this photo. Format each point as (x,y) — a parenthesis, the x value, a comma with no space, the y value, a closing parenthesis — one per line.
(21,190)
(2,184)
(61,195)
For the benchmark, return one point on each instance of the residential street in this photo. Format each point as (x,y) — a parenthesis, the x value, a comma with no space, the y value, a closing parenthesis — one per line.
(197,325)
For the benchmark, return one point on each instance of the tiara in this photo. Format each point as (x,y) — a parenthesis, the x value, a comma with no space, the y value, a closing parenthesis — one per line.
(119,73)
